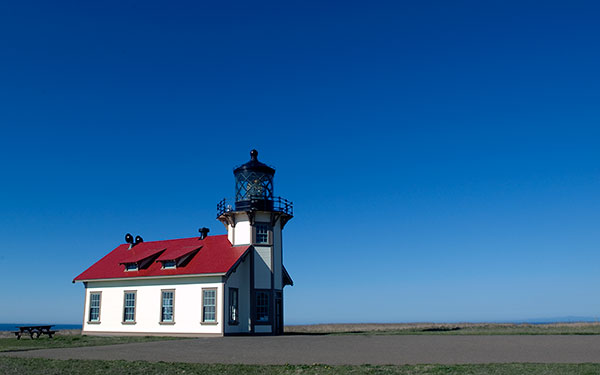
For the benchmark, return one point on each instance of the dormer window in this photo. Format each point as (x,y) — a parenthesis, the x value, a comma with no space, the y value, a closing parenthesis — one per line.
(177,259)
(143,259)
(131,266)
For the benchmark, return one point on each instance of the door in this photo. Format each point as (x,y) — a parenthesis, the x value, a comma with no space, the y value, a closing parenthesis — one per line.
(278,314)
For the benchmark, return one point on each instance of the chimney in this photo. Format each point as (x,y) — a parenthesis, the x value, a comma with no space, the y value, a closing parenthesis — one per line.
(203,232)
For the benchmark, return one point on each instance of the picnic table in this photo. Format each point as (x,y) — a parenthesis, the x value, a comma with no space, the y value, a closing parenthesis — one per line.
(35,330)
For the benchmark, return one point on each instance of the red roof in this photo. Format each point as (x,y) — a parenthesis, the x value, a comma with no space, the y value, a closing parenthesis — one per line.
(176,253)
(139,252)
(216,255)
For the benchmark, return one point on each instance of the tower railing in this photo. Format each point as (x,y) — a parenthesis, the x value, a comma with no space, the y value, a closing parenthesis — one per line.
(279,205)
(283,205)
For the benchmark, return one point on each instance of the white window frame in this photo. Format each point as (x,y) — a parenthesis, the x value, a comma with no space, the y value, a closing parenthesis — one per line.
(162,306)
(204,306)
(125,307)
(97,320)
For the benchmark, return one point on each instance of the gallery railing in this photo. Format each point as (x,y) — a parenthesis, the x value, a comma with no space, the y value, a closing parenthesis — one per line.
(277,204)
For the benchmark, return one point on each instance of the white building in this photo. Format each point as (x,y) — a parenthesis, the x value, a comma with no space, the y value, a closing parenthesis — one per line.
(206,285)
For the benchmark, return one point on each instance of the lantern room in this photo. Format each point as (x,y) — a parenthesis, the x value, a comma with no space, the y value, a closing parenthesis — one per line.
(254,185)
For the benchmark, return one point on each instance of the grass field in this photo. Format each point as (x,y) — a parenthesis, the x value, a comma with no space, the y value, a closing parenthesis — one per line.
(69,341)
(448,329)
(37,366)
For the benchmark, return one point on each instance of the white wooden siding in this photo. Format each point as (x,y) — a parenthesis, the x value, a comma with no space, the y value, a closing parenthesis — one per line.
(187,306)
(242,231)
(262,267)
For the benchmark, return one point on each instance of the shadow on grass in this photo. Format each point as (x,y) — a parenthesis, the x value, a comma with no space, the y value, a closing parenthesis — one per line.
(440,329)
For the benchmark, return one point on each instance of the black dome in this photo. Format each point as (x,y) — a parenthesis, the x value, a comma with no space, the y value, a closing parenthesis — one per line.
(254,165)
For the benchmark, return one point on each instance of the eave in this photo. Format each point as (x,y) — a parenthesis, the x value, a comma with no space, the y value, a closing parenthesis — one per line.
(239,261)
(287,279)
(153,277)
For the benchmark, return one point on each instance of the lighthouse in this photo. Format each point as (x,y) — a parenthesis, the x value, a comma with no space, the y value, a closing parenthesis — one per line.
(225,284)
(256,218)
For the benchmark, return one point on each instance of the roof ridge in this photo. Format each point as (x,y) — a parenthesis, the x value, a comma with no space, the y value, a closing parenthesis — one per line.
(181,239)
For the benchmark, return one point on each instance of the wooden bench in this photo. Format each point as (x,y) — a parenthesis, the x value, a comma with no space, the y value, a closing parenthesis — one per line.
(35,330)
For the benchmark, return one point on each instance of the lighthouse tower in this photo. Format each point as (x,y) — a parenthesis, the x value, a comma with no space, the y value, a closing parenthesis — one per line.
(257,218)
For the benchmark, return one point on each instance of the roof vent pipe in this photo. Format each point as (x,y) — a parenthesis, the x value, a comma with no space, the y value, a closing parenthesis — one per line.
(203,232)
(129,239)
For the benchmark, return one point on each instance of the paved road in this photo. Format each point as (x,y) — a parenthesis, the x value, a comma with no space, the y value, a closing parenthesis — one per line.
(347,349)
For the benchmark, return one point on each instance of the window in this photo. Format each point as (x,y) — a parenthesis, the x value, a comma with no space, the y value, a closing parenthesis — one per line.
(131,267)
(94,307)
(262,306)
(169,264)
(233,306)
(209,305)
(262,233)
(129,307)
(167,303)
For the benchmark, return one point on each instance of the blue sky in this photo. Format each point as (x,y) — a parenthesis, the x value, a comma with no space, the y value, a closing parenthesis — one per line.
(442,156)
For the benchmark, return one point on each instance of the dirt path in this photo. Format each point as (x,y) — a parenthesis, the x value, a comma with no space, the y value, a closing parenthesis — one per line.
(346,349)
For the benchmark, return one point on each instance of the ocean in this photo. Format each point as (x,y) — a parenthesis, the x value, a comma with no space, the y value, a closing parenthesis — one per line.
(13,326)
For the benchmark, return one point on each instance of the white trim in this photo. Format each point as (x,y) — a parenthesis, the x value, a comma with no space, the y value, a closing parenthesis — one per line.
(154,277)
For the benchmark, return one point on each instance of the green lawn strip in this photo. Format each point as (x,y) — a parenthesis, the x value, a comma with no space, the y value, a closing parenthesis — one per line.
(24,366)
(69,341)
